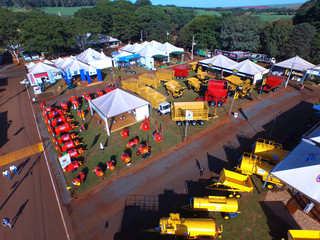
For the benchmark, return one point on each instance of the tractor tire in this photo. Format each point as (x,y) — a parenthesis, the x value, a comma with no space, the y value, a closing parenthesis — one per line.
(275,89)
(270,186)
(159,113)
(268,91)
(230,195)
(238,195)
(181,78)
(193,123)
(212,103)
(226,216)
(230,94)
(219,104)
(162,82)
(201,122)
(179,123)
(187,123)
(242,97)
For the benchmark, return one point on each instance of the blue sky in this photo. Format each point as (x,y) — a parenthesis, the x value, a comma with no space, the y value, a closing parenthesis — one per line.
(222,3)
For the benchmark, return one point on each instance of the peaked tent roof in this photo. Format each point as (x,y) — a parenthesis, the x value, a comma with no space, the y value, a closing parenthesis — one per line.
(301,170)
(30,65)
(168,47)
(57,61)
(117,102)
(144,43)
(76,65)
(42,68)
(88,55)
(296,63)
(149,51)
(65,62)
(103,56)
(155,44)
(124,48)
(219,61)
(134,48)
(248,67)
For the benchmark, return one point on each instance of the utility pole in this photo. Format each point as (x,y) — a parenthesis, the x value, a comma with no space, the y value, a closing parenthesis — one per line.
(192,47)
(141,39)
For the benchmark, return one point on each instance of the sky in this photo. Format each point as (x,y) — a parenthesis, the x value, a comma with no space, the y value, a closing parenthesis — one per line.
(222,3)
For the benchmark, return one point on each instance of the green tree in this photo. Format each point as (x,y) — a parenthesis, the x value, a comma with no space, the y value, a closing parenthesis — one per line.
(241,33)
(204,28)
(275,36)
(308,12)
(140,3)
(9,34)
(300,40)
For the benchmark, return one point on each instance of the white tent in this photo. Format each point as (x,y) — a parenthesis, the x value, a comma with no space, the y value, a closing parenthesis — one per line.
(134,48)
(57,61)
(248,67)
(155,44)
(144,43)
(300,169)
(125,47)
(30,65)
(95,59)
(168,48)
(314,133)
(117,102)
(296,63)
(76,65)
(148,51)
(116,57)
(42,68)
(65,62)
(219,62)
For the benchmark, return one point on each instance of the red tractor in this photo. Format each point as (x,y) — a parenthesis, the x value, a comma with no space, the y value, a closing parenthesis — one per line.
(181,71)
(60,120)
(100,93)
(144,150)
(64,128)
(110,88)
(75,102)
(98,171)
(56,114)
(125,132)
(272,83)
(64,138)
(73,166)
(133,142)
(126,158)
(68,145)
(87,96)
(110,165)
(217,93)
(79,179)
(74,152)
(64,105)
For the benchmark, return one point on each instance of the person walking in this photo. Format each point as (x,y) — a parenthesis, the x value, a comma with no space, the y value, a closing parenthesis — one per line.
(14,169)
(6,173)
(7,222)
(201,170)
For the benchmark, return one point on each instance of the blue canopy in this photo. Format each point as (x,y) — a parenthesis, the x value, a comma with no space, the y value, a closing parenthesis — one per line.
(129,57)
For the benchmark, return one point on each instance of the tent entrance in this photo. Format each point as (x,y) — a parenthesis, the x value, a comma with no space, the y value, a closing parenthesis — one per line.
(121,121)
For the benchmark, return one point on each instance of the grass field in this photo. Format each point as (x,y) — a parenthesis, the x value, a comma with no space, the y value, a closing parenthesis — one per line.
(210,12)
(270,17)
(64,11)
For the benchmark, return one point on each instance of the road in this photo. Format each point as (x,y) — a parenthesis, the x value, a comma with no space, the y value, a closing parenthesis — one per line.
(115,211)
(28,199)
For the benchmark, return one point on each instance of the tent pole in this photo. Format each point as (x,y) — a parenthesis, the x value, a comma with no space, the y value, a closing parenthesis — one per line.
(91,110)
(107,126)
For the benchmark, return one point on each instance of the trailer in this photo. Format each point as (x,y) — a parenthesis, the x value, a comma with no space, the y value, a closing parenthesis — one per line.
(181,71)
(261,58)
(164,75)
(149,79)
(200,112)
(194,83)
(174,88)
(272,83)
(232,182)
(303,235)
(269,150)
(217,93)
(227,206)
(190,228)
(250,164)
(133,85)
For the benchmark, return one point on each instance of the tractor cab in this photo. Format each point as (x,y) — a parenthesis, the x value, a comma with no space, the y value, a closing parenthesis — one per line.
(164,108)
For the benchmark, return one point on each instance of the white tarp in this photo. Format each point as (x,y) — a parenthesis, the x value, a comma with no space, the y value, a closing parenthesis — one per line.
(76,65)
(219,61)
(149,51)
(296,63)
(125,47)
(134,48)
(95,59)
(88,55)
(248,67)
(42,68)
(117,102)
(65,62)
(155,44)
(168,48)
(300,169)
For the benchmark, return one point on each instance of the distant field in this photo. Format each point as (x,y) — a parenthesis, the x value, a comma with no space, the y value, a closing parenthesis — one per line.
(203,12)
(285,5)
(65,11)
(271,17)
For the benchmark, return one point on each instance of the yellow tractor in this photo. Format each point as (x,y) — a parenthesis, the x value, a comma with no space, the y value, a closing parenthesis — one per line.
(238,87)
(193,66)
(174,88)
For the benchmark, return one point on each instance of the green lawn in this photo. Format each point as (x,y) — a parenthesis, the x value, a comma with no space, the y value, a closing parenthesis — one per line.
(64,11)
(210,12)
(270,17)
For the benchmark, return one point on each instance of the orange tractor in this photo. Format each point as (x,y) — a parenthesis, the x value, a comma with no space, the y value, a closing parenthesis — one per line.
(98,171)
(79,179)
(145,125)
(133,142)
(125,132)
(126,158)
(64,138)
(110,165)
(144,150)
(73,166)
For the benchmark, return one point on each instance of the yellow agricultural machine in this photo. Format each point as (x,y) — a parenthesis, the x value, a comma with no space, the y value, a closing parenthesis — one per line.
(164,75)
(238,87)
(190,228)
(232,182)
(303,235)
(194,83)
(193,66)
(203,76)
(149,79)
(250,164)
(174,88)
(200,112)
(133,85)
(269,150)
(227,206)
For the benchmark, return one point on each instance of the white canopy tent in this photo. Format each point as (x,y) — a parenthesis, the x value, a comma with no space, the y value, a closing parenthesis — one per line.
(134,48)
(42,68)
(125,47)
(296,63)
(168,48)
(250,68)
(218,62)
(76,65)
(117,102)
(95,59)
(146,54)
(65,62)
(155,44)
(300,169)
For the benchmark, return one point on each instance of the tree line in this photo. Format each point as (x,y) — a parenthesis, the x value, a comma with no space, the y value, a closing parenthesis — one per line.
(129,22)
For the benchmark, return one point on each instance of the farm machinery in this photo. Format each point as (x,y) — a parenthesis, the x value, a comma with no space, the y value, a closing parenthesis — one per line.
(193,66)
(181,71)
(191,228)
(200,112)
(250,164)
(303,235)
(269,150)
(202,76)
(232,182)
(174,88)
(239,88)
(272,83)
(217,93)
(194,83)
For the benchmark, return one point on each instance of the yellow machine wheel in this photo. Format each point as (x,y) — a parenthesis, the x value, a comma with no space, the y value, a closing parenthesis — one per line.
(238,195)
(227,217)
(270,186)
(231,195)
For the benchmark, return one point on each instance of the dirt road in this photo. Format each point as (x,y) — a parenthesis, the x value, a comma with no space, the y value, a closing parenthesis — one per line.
(106,215)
